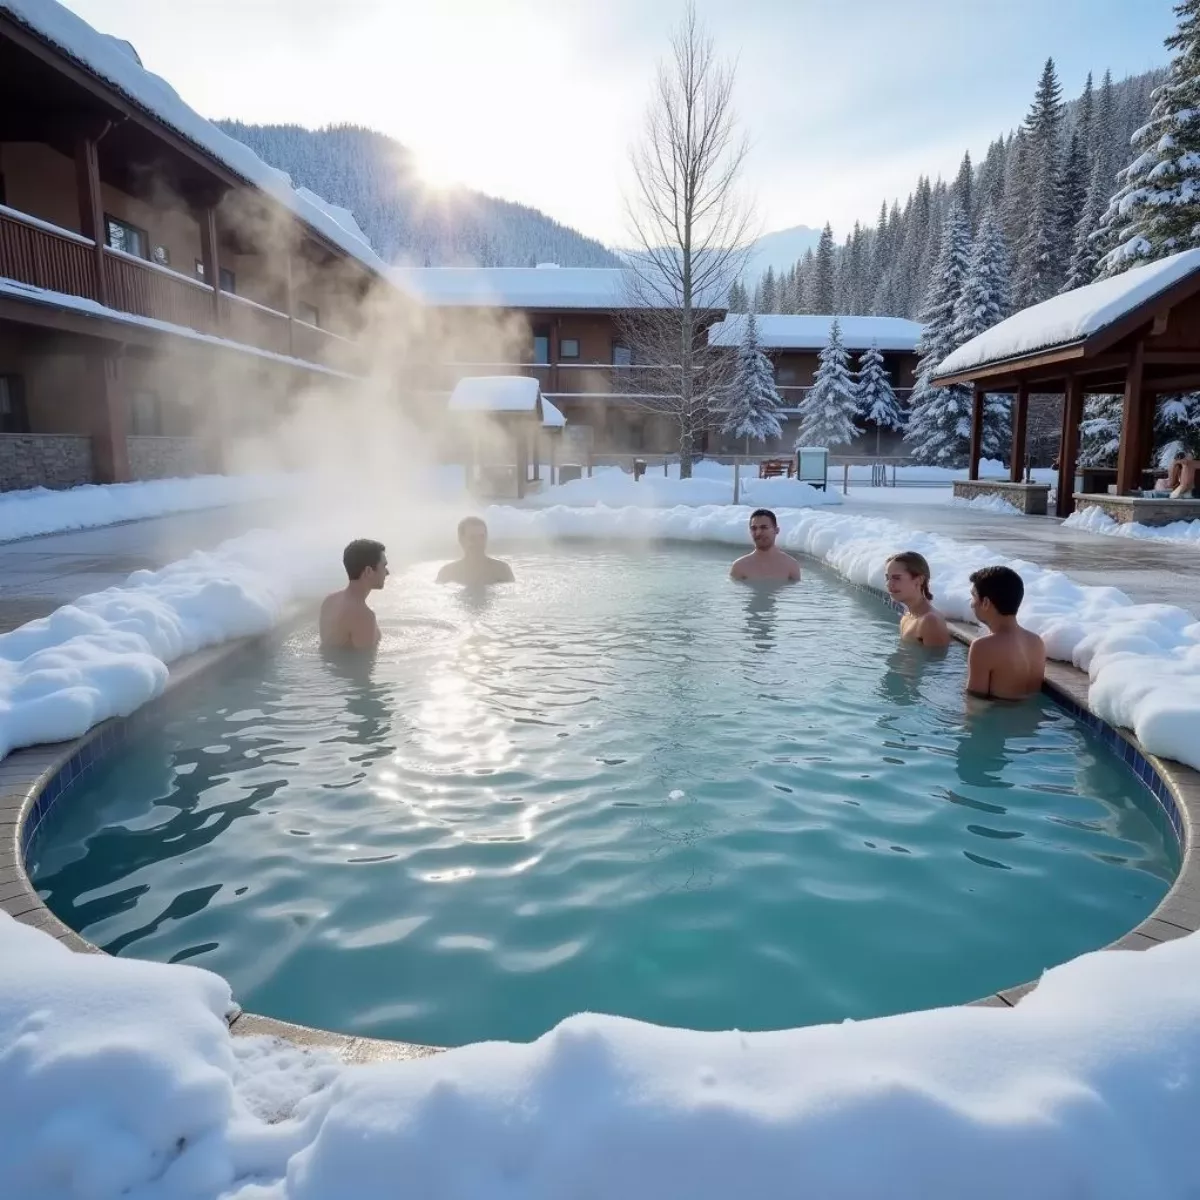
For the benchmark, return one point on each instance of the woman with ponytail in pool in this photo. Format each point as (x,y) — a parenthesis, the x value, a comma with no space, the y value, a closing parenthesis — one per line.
(907,581)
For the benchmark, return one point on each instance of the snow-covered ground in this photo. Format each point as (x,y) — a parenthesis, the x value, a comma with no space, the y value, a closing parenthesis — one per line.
(992,504)
(105,655)
(39,511)
(1092,520)
(118,1079)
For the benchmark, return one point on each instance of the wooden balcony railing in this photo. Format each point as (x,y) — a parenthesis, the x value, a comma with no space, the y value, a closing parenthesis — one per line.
(46,257)
(59,260)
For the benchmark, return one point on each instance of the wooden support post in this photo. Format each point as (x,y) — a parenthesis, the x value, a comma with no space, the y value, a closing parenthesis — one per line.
(91,207)
(211,259)
(537,456)
(1068,446)
(554,459)
(1129,458)
(522,459)
(1020,415)
(1146,432)
(555,355)
(289,300)
(976,432)
(108,418)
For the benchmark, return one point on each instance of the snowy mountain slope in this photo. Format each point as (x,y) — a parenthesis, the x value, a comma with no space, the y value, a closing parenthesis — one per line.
(374,177)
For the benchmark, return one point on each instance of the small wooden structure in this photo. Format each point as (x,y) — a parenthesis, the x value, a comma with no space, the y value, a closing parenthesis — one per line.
(502,411)
(1136,334)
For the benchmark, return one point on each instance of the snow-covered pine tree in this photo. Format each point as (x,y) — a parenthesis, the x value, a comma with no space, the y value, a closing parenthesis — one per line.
(1177,428)
(823,275)
(1074,188)
(737,297)
(1100,431)
(1156,211)
(1085,122)
(964,189)
(1016,188)
(877,401)
(939,423)
(753,413)
(1041,254)
(806,271)
(827,410)
(1085,253)
(770,293)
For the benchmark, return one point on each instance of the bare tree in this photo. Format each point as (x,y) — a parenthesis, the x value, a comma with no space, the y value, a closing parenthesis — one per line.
(691,234)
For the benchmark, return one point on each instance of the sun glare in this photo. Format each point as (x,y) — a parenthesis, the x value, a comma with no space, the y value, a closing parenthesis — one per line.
(435,171)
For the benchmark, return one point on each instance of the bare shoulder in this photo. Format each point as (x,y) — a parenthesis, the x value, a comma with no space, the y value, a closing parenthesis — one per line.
(793,565)
(933,630)
(738,570)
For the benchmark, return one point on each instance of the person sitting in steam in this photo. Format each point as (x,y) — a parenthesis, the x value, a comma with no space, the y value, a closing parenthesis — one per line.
(347,622)
(475,568)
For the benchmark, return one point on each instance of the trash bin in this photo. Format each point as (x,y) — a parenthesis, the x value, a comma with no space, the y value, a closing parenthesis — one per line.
(569,471)
(639,468)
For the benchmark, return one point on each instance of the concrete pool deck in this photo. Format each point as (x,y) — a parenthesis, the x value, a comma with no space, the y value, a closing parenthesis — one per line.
(49,571)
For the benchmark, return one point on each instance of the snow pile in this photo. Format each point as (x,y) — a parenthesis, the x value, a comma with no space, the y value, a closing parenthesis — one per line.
(39,511)
(615,488)
(1143,659)
(993,504)
(116,62)
(119,1079)
(1095,520)
(1073,316)
(106,654)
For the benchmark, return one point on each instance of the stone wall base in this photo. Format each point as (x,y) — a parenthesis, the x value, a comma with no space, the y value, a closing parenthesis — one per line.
(1129,510)
(1028,498)
(52,460)
(165,457)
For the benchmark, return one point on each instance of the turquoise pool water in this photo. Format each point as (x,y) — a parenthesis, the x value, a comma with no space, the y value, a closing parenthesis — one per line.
(623,784)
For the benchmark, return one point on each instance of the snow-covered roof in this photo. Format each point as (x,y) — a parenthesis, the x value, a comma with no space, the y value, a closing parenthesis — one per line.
(63,300)
(545,286)
(1072,317)
(777,331)
(117,63)
(497,394)
(552,415)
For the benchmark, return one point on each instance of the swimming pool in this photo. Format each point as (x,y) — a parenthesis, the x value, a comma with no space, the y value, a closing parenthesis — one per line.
(623,784)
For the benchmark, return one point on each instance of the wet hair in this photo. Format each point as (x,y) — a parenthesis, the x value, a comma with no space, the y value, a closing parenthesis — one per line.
(765,512)
(469,522)
(361,554)
(1002,586)
(916,565)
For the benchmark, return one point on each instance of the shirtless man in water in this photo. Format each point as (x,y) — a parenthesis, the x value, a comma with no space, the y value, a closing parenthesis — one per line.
(475,568)
(347,623)
(765,561)
(1008,662)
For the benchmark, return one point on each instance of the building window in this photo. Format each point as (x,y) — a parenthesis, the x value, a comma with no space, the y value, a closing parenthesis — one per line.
(308,314)
(541,346)
(145,414)
(569,348)
(785,376)
(622,355)
(228,279)
(129,239)
(13,415)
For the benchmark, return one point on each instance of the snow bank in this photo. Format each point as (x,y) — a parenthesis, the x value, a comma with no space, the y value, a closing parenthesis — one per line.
(1094,520)
(994,504)
(39,511)
(1073,316)
(712,484)
(1143,659)
(106,654)
(119,1079)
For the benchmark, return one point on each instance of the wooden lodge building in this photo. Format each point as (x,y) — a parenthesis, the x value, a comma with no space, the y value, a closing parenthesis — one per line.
(569,324)
(153,272)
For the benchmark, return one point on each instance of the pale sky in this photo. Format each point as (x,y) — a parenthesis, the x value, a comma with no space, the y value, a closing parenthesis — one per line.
(845,101)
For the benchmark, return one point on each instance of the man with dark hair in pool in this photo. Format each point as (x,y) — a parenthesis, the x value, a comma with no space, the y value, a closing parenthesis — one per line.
(475,568)
(1007,662)
(347,622)
(766,560)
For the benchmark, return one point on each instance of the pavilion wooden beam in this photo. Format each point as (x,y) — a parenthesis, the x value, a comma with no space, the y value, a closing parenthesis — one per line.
(976,431)
(1020,415)
(91,207)
(1068,446)
(1129,458)
(210,257)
